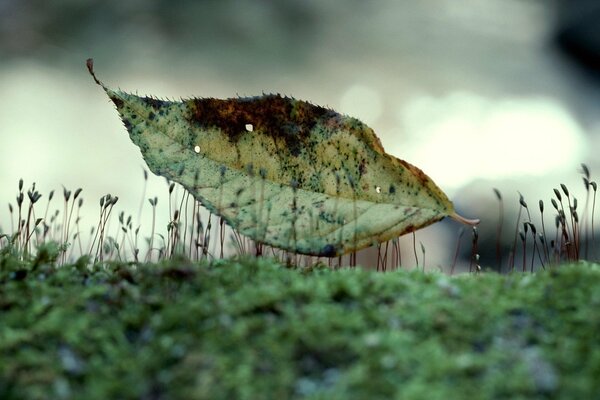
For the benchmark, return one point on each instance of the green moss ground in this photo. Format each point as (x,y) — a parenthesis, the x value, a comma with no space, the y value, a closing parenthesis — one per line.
(252,329)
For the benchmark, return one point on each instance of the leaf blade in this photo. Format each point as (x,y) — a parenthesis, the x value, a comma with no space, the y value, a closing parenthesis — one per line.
(324,187)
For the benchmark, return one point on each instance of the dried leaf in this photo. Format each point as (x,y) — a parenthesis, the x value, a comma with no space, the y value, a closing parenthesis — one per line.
(284,172)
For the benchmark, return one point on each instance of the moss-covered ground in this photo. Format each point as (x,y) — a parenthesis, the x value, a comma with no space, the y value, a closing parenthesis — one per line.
(253,329)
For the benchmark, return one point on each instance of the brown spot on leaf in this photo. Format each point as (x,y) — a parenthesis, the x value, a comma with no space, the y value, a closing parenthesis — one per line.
(273,115)
(420,175)
(154,103)
(118,102)
(362,168)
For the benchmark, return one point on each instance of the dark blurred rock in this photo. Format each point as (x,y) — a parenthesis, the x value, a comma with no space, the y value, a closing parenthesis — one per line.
(578,32)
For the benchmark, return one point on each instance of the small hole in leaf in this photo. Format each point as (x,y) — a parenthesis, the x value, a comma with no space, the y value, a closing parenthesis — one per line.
(378,189)
(249,127)
(197,149)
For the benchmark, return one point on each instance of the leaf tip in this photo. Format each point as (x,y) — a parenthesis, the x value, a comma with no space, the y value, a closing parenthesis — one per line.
(464,220)
(90,66)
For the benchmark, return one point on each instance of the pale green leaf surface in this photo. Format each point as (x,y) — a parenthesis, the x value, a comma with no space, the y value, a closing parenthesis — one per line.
(284,172)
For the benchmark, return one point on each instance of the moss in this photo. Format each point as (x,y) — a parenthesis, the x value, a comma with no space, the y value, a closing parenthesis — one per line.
(250,328)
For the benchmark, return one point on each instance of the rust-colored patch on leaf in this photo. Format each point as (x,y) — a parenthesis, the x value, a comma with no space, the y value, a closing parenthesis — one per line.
(284,172)
(280,117)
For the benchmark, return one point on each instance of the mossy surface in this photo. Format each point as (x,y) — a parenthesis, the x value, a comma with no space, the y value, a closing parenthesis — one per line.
(253,329)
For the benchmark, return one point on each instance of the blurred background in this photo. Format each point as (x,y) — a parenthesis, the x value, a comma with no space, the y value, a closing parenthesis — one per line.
(480,94)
